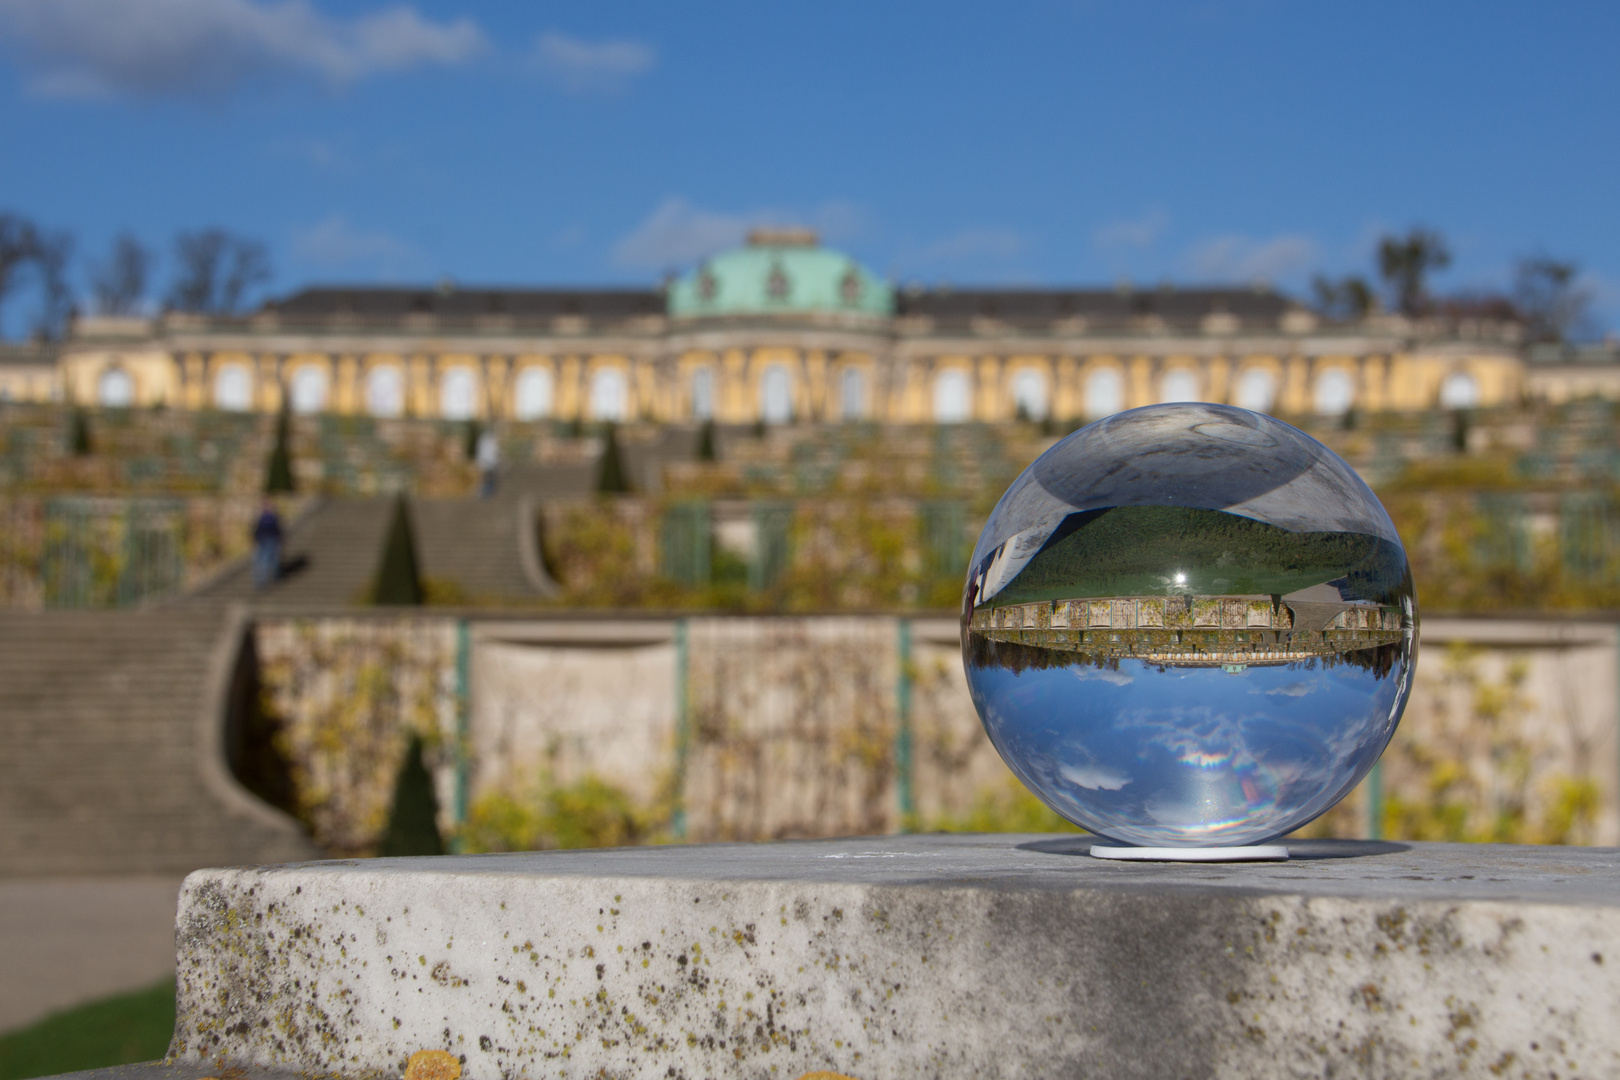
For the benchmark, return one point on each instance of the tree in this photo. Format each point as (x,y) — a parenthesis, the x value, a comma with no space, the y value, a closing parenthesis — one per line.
(1350,298)
(1552,303)
(51,254)
(413,823)
(18,242)
(705,446)
(278,474)
(611,476)
(119,283)
(216,271)
(1405,263)
(398,580)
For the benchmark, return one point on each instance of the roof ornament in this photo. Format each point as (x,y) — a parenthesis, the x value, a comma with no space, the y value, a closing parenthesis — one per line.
(708,286)
(849,287)
(785,236)
(777,285)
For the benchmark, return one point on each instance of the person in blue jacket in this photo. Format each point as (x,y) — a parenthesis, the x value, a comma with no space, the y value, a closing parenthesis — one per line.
(266,546)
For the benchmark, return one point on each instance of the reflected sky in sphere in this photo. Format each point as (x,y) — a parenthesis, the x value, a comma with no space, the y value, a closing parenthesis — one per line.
(1189,625)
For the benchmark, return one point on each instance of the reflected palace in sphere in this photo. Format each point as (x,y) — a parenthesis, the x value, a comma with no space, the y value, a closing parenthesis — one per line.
(1189,625)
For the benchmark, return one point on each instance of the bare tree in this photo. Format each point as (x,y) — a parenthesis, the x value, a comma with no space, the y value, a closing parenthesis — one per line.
(1405,263)
(1348,298)
(1551,300)
(120,282)
(56,307)
(216,271)
(19,240)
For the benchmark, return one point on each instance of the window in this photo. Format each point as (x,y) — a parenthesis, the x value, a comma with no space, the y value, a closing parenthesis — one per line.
(309,389)
(1257,390)
(953,399)
(533,396)
(852,394)
(115,389)
(609,394)
(1029,394)
(1459,391)
(1335,392)
(776,395)
(458,394)
(703,394)
(1179,384)
(385,391)
(233,388)
(1105,392)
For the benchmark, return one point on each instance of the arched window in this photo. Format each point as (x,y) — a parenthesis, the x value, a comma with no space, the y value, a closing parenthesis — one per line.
(233,388)
(1179,384)
(1335,392)
(385,391)
(309,389)
(115,389)
(609,394)
(1105,392)
(703,393)
(1257,390)
(953,398)
(533,396)
(776,395)
(1029,394)
(1459,391)
(852,394)
(458,394)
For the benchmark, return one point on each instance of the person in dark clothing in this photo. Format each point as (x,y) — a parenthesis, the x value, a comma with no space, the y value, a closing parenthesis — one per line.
(266,546)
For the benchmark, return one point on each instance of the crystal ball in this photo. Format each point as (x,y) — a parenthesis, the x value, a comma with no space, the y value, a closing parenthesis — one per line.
(1189,625)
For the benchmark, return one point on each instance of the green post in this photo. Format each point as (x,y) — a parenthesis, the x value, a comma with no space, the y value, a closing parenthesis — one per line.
(1375,802)
(458,807)
(902,733)
(683,732)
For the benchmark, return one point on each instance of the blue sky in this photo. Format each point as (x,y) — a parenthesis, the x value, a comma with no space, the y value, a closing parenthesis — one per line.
(1040,142)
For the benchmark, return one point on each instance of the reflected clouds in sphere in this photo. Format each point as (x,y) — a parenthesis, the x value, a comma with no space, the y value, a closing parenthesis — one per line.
(1189,625)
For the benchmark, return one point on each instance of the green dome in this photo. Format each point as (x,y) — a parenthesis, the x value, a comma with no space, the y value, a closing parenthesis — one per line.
(780,272)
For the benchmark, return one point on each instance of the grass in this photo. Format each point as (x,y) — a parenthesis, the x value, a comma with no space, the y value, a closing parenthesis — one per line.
(118,1030)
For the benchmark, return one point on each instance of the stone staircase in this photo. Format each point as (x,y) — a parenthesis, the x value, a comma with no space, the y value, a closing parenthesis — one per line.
(112,746)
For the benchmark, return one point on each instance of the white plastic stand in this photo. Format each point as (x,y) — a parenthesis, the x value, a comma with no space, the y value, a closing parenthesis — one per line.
(1255,853)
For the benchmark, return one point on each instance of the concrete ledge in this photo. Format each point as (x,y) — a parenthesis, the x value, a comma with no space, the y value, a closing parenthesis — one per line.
(912,957)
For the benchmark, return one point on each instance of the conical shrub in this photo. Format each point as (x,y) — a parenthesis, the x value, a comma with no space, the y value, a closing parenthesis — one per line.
(79,433)
(705,446)
(398,579)
(278,474)
(413,823)
(611,477)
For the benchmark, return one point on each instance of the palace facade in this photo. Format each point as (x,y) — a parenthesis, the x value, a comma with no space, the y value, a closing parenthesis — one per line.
(780,330)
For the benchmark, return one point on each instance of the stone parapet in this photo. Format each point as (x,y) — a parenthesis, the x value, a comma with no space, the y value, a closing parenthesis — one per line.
(911,957)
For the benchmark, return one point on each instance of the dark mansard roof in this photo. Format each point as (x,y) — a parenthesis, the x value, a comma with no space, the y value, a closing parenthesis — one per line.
(1040,308)
(454,305)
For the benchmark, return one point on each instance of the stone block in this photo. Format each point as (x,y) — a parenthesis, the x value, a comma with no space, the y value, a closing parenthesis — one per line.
(911,956)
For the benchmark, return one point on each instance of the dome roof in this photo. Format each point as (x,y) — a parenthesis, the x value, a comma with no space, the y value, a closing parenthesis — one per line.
(780,271)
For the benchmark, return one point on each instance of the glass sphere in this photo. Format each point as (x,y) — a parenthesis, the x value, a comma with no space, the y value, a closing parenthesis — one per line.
(1189,625)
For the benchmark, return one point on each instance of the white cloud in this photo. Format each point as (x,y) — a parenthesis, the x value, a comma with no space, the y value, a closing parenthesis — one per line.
(592,67)
(1295,689)
(1107,675)
(970,247)
(1240,258)
(1094,777)
(336,244)
(203,48)
(677,232)
(1130,236)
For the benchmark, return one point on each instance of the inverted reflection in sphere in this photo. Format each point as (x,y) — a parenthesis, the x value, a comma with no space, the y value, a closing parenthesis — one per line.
(1189,625)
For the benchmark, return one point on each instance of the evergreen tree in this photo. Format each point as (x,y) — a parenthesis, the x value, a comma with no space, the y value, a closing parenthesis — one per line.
(611,478)
(705,446)
(79,433)
(470,446)
(278,477)
(398,580)
(413,824)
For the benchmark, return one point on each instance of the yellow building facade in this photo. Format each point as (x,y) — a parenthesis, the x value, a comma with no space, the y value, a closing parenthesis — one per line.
(781,331)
